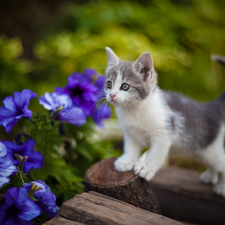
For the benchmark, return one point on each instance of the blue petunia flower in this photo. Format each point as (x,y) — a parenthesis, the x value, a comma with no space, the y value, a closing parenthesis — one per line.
(86,90)
(18,208)
(46,199)
(35,159)
(15,108)
(7,166)
(63,108)
(82,92)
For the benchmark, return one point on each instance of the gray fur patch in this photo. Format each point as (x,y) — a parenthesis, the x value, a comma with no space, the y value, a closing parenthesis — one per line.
(202,120)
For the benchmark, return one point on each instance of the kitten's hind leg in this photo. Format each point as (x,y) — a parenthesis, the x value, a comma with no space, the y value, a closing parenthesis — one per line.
(219,188)
(214,158)
(209,177)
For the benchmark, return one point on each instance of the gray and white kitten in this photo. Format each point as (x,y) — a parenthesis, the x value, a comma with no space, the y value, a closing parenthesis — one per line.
(163,121)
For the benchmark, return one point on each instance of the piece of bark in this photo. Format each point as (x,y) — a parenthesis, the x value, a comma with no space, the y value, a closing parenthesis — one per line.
(126,186)
(96,209)
(182,197)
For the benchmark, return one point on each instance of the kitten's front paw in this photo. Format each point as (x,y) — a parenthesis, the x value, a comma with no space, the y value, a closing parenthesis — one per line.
(143,170)
(219,189)
(208,177)
(124,164)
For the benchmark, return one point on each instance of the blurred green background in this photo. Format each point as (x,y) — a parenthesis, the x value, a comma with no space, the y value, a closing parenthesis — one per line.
(43,41)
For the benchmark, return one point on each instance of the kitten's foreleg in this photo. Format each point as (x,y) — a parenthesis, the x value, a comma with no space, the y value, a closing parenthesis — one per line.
(155,157)
(130,156)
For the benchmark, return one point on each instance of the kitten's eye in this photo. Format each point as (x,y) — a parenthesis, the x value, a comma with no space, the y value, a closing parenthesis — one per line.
(125,87)
(109,84)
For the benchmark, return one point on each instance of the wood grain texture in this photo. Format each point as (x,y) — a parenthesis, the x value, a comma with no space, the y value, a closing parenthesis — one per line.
(94,208)
(126,186)
(182,197)
(59,221)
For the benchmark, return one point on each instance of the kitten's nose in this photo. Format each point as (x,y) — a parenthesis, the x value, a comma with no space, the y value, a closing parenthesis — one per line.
(112,96)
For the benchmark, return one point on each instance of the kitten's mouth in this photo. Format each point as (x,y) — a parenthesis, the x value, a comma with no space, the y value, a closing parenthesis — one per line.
(113,102)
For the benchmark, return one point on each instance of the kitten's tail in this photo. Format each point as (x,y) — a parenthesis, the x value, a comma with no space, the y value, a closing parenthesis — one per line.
(221,99)
(219,59)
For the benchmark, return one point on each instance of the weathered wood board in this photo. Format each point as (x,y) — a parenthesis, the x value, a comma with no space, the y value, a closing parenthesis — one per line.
(58,220)
(182,197)
(177,192)
(96,209)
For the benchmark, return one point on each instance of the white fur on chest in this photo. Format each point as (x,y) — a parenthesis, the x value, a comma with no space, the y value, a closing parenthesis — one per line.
(145,121)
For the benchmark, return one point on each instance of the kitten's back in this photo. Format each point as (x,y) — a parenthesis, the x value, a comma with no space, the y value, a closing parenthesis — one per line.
(202,120)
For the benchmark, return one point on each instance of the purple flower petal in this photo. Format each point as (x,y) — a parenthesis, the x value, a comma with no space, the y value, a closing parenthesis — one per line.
(21,197)
(54,100)
(11,220)
(51,210)
(27,166)
(60,90)
(3,180)
(18,209)
(35,161)
(100,82)
(3,213)
(11,196)
(22,98)
(89,73)
(6,114)
(10,125)
(64,100)
(47,101)
(6,166)
(75,79)
(28,147)
(3,149)
(46,199)
(6,169)
(15,108)
(103,112)
(73,115)
(10,104)
(47,188)
(30,210)
(12,148)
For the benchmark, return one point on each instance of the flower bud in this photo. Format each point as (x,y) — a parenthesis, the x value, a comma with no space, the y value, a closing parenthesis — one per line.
(21,159)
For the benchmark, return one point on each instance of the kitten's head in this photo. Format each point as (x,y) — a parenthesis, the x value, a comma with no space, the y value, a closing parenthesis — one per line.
(128,83)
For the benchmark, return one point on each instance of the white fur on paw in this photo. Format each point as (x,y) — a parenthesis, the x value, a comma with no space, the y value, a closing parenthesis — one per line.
(219,189)
(209,178)
(143,170)
(123,164)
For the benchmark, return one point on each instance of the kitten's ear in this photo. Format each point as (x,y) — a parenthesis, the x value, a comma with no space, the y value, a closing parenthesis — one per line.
(144,65)
(113,60)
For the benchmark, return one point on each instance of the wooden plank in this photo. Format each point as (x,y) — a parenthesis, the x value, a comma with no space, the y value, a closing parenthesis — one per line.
(182,197)
(58,220)
(94,208)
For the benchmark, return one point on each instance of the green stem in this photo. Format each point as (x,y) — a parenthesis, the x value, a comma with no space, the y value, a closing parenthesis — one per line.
(21,178)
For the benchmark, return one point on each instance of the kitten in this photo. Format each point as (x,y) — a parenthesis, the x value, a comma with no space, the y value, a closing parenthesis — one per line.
(163,121)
